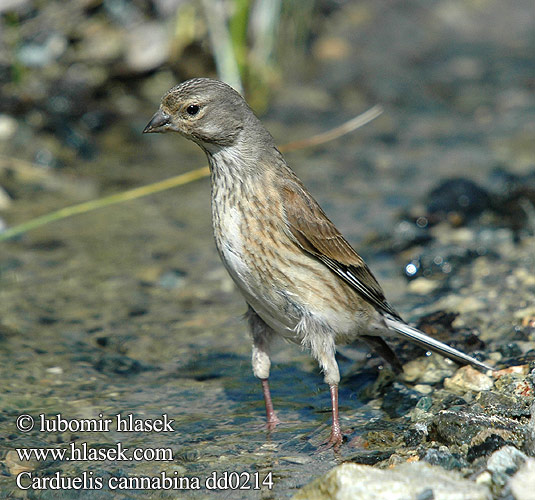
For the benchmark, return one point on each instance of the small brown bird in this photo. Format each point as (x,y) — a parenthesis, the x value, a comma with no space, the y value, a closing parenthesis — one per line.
(300,278)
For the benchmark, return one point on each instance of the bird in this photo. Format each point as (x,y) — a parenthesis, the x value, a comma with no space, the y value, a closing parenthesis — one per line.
(300,277)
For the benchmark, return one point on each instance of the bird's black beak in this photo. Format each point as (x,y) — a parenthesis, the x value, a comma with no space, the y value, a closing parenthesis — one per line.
(158,123)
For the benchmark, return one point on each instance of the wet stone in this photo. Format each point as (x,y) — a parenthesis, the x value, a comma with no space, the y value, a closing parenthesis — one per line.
(445,261)
(492,443)
(414,436)
(428,370)
(517,385)
(496,403)
(461,426)
(509,350)
(408,480)
(504,463)
(121,365)
(399,400)
(460,197)
(425,403)
(371,457)
(522,484)
(468,379)
(444,458)
(172,279)
(440,325)
(382,439)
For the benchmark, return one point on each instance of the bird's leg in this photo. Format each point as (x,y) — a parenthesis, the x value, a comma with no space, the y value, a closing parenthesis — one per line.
(325,354)
(272,419)
(262,334)
(336,438)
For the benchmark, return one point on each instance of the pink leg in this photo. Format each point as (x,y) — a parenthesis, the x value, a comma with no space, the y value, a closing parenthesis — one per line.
(272,419)
(336,438)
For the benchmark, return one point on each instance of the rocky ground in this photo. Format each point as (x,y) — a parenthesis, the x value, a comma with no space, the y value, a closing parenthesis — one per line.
(127,309)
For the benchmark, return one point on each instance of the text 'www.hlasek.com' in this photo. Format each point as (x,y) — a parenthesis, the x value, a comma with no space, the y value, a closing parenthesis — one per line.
(27,478)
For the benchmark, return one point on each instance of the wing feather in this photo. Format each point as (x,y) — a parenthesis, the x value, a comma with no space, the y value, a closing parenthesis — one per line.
(318,236)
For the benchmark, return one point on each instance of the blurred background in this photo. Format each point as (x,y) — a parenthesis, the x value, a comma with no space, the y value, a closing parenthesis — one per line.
(128,307)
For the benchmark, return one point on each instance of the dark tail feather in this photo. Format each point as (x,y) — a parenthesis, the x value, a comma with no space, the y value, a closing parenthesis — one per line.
(380,347)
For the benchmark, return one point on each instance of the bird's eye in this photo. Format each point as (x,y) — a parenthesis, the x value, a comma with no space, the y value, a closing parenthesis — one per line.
(192,109)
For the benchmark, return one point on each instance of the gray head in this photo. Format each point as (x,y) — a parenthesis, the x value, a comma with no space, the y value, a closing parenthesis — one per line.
(206,111)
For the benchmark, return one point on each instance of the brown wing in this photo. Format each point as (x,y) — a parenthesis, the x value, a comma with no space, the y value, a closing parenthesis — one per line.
(316,234)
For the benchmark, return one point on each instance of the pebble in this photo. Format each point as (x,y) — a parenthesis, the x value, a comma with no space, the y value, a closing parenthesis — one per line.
(5,200)
(172,279)
(13,5)
(410,480)
(15,466)
(8,127)
(147,47)
(55,370)
(468,379)
(38,55)
(423,286)
(423,388)
(297,459)
(505,462)
(522,484)
(428,370)
(444,458)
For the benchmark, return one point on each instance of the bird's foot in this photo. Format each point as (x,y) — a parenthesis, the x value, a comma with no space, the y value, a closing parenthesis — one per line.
(270,424)
(335,441)
(272,421)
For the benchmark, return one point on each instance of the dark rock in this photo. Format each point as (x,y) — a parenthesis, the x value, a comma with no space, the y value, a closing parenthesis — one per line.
(382,438)
(102,341)
(9,264)
(413,437)
(491,444)
(425,403)
(399,400)
(460,198)
(504,404)
(459,426)
(373,384)
(439,325)
(137,311)
(509,350)
(370,457)
(120,364)
(47,320)
(444,458)
(426,494)
(47,245)
(515,210)
(512,195)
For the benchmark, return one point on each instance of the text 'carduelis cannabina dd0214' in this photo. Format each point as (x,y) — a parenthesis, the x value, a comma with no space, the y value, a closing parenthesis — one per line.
(300,278)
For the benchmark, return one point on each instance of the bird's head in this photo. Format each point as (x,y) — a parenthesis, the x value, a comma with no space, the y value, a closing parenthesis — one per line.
(207,111)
